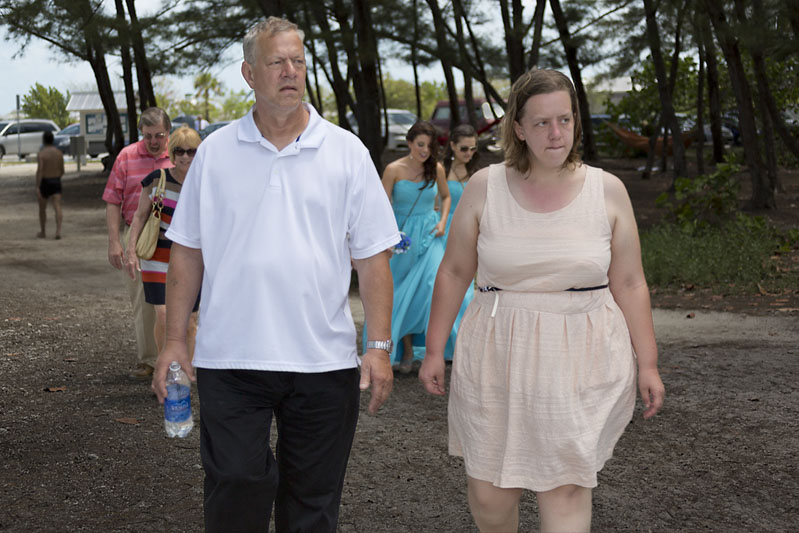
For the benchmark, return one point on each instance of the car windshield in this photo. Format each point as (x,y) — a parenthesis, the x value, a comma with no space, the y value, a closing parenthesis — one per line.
(72,129)
(402,118)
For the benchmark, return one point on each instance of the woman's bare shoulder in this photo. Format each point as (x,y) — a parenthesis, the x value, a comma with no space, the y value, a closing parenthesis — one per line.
(614,187)
(393,168)
(476,187)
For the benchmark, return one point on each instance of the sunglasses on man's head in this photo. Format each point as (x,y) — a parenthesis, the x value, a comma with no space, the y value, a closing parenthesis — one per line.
(181,151)
(467,148)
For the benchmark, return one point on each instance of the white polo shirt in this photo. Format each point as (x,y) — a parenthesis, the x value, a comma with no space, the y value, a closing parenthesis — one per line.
(277,230)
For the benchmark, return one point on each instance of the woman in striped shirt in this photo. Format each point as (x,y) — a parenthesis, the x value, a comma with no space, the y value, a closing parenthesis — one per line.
(183,144)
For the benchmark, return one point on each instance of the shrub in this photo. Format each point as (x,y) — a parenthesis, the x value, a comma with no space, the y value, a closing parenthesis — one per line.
(704,201)
(739,251)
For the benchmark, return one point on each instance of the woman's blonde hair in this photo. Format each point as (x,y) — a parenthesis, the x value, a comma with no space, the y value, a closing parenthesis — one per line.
(184,137)
(529,84)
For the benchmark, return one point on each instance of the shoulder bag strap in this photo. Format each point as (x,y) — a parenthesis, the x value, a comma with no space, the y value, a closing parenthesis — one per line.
(158,197)
(411,210)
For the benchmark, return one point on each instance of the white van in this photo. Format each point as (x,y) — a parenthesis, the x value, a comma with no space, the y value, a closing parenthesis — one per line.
(24,137)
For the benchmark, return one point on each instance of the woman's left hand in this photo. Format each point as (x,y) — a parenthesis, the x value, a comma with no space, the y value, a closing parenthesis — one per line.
(439,229)
(432,375)
(652,391)
(131,264)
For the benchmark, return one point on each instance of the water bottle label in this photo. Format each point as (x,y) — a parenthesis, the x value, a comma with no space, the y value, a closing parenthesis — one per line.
(177,406)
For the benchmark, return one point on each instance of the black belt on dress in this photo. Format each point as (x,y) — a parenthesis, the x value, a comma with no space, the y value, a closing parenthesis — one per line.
(489,288)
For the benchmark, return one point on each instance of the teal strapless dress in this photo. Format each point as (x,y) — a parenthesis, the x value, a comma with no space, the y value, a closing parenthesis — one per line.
(414,271)
(455,193)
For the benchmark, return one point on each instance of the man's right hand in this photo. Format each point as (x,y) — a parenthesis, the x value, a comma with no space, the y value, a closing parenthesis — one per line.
(116,255)
(173,351)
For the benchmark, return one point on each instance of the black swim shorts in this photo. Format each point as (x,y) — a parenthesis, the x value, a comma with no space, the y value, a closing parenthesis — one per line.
(50,186)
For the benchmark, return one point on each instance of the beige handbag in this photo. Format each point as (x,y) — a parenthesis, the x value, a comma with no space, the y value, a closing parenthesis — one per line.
(148,238)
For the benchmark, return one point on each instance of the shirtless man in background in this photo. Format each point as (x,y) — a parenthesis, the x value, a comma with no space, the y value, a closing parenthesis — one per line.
(48,182)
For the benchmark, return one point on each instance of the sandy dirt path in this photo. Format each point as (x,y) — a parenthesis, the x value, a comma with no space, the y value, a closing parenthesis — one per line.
(83,446)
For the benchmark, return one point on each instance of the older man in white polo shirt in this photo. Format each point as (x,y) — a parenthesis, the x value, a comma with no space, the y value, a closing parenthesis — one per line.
(273,210)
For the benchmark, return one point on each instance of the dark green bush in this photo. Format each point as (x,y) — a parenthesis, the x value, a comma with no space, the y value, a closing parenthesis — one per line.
(704,201)
(737,251)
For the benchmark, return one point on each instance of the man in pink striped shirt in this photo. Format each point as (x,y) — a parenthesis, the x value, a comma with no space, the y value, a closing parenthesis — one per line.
(121,195)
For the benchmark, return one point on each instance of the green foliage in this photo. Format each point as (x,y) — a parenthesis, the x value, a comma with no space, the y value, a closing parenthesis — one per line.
(641,105)
(235,105)
(46,102)
(207,86)
(431,92)
(704,201)
(400,94)
(738,252)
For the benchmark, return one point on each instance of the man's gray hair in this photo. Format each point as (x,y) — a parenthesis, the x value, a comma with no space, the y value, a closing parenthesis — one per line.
(268,27)
(154,116)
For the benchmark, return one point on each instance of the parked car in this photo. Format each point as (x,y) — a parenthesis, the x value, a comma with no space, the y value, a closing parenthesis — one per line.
(727,136)
(62,138)
(208,130)
(487,118)
(23,137)
(179,121)
(399,122)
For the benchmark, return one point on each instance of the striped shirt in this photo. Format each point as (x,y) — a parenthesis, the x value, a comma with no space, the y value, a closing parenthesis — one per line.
(154,269)
(123,187)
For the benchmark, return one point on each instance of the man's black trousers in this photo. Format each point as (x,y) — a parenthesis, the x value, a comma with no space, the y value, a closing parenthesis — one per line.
(316,415)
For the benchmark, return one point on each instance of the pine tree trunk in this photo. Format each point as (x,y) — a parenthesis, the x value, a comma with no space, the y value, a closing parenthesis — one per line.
(762,195)
(337,82)
(713,96)
(538,25)
(445,54)
(127,72)
(669,117)
(589,151)
(369,99)
(146,92)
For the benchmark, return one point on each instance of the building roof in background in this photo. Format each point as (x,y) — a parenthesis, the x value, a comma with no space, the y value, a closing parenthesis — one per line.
(615,85)
(90,101)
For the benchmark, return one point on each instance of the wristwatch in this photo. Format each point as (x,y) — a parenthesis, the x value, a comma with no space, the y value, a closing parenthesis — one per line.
(380,345)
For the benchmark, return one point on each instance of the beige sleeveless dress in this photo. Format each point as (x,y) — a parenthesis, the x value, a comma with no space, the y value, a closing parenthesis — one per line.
(543,379)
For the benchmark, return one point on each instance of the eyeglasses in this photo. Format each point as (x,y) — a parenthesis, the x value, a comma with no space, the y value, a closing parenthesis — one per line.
(465,149)
(279,64)
(158,136)
(180,151)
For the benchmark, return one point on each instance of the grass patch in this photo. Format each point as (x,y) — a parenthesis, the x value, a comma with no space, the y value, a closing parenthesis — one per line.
(745,253)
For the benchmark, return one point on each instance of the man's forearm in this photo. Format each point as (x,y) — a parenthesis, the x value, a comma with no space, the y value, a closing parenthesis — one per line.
(376,287)
(113,213)
(183,282)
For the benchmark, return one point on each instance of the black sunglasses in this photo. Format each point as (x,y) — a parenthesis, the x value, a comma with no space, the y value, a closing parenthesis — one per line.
(180,151)
(467,148)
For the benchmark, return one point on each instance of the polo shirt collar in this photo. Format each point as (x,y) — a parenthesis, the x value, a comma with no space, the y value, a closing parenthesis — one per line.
(143,152)
(311,137)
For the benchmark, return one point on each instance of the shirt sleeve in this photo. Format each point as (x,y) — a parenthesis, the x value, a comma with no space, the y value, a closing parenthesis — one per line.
(372,226)
(184,228)
(115,186)
(149,178)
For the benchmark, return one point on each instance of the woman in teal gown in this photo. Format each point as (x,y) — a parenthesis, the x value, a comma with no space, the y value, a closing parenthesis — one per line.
(412,184)
(460,162)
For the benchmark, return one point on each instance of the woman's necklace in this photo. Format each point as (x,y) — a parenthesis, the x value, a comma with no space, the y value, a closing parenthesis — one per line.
(417,174)
(463,178)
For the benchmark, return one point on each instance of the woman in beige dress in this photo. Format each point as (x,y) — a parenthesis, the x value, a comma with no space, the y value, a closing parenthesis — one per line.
(544,372)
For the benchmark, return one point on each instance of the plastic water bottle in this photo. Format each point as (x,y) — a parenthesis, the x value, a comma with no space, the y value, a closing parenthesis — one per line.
(177,405)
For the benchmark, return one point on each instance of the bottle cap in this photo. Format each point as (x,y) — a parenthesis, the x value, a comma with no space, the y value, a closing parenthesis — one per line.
(174,366)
